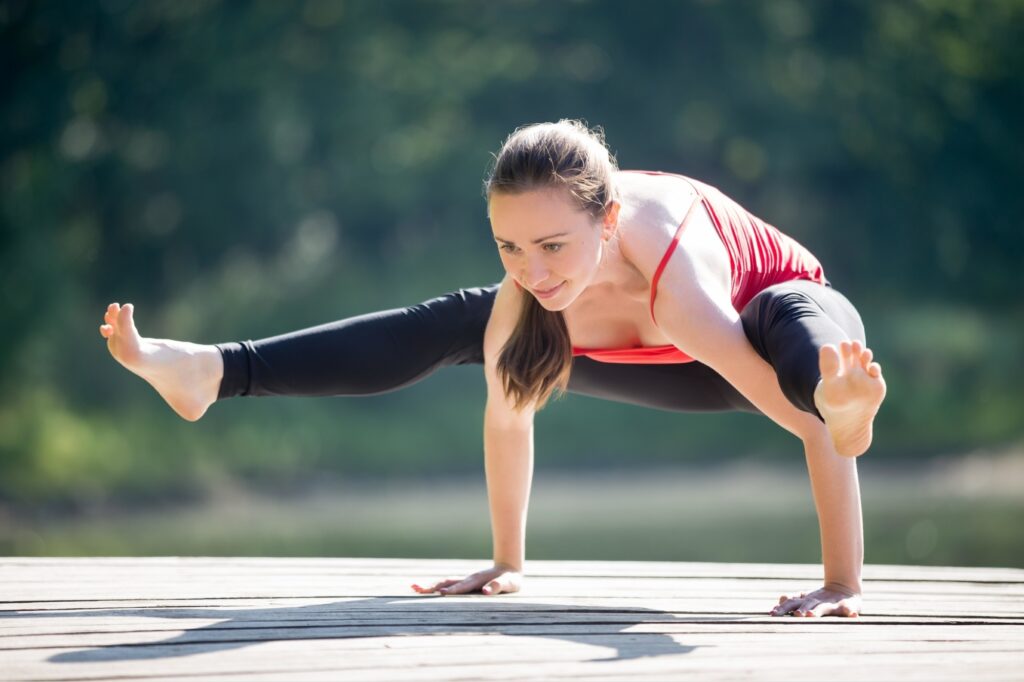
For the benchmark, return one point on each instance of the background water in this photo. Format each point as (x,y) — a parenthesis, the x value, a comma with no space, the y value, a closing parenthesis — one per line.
(965,511)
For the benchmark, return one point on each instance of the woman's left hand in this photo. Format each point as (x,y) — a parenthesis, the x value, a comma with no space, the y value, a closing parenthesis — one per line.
(821,602)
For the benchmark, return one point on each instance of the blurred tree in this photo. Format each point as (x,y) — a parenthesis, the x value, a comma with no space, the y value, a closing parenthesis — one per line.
(238,170)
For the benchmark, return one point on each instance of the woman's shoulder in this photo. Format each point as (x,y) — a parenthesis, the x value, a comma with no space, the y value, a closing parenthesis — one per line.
(654,178)
(651,198)
(504,317)
(652,208)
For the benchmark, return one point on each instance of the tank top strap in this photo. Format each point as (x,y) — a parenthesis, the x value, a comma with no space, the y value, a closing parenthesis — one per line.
(668,253)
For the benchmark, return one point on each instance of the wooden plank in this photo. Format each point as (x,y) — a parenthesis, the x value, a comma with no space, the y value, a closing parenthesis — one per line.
(140,590)
(712,603)
(538,568)
(746,635)
(826,634)
(499,656)
(88,581)
(84,586)
(891,606)
(207,618)
(131,619)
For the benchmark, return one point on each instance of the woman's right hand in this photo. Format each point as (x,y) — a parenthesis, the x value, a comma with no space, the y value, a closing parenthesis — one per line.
(491,581)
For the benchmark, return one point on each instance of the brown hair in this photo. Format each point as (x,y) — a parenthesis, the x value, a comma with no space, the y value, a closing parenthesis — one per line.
(537,358)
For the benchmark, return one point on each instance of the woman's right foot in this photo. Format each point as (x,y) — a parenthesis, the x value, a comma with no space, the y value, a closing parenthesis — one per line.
(186,375)
(849,394)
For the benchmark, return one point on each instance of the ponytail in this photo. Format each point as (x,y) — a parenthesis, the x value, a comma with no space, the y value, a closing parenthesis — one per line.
(537,358)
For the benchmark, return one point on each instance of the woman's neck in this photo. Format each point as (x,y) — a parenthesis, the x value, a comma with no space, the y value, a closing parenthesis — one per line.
(615,275)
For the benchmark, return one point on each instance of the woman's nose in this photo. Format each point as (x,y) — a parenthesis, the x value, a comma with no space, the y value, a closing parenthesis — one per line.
(535,273)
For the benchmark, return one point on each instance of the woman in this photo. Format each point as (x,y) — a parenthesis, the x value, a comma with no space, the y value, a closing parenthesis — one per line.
(648,288)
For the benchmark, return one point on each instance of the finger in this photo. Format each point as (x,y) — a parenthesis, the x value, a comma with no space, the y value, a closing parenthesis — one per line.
(461,587)
(802,606)
(856,348)
(866,357)
(784,598)
(436,586)
(786,607)
(849,608)
(505,583)
(106,330)
(511,583)
(806,609)
(875,370)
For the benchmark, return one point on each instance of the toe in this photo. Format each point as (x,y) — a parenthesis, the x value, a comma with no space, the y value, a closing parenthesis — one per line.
(828,360)
(846,351)
(125,315)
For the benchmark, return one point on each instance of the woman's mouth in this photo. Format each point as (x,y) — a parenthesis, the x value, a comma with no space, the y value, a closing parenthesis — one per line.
(548,293)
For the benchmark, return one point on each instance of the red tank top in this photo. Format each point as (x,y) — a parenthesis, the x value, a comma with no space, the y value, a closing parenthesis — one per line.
(759,256)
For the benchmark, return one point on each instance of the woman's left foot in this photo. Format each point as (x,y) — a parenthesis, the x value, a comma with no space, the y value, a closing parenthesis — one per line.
(849,394)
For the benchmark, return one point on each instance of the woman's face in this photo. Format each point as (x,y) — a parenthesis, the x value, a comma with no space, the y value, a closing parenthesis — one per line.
(547,243)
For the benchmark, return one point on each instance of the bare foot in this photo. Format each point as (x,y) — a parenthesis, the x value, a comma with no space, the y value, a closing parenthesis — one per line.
(849,394)
(186,375)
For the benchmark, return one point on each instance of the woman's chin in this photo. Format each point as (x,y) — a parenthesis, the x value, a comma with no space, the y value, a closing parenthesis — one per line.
(553,307)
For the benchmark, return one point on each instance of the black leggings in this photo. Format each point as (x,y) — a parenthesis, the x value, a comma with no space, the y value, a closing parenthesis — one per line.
(383,351)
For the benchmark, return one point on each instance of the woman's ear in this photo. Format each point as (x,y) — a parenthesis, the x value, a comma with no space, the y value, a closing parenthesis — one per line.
(611,220)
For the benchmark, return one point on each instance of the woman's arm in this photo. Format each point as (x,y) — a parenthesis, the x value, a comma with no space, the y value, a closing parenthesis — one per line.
(694,309)
(508,464)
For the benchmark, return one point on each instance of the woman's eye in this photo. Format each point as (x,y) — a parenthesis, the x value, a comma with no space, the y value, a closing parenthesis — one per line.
(554,248)
(507,248)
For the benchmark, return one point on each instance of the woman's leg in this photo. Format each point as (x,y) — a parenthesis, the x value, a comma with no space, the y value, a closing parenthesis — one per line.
(788,323)
(814,338)
(384,351)
(371,353)
(363,355)
(379,352)
(682,387)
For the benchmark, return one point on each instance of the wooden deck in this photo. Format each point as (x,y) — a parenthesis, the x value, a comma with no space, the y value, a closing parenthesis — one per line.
(350,619)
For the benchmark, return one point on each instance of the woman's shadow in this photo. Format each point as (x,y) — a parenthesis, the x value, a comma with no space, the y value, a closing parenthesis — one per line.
(384,617)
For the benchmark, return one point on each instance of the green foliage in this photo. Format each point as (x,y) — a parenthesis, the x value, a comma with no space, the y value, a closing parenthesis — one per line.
(238,170)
